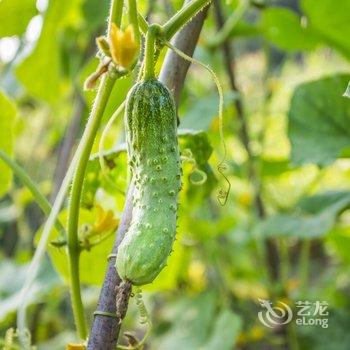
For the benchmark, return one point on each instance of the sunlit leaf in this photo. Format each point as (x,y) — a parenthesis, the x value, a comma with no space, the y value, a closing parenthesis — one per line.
(15,15)
(331,21)
(40,72)
(283,28)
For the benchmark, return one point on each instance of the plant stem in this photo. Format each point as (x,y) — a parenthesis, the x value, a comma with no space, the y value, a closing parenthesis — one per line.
(182,17)
(149,52)
(133,19)
(143,24)
(43,203)
(87,141)
(116,13)
(230,23)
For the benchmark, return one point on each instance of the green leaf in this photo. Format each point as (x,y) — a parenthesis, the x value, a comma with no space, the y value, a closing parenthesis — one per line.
(313,217)
(319,121)
(226,330)
(95,12)
(10,287)
(330,19)
(245,29)
(196,326)
(198,142)
(15,15)
(7,120)
(93,263)
(201,113)
(274,167)
(190,323)
(40,72)
(339,241)
(283,28)
(335,336)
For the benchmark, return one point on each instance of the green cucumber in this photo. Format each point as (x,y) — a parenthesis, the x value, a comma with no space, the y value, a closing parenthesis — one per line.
(154,160)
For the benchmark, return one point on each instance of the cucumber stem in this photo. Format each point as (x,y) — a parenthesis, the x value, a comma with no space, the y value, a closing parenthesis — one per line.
(116,13)
(153,30)
(133,19)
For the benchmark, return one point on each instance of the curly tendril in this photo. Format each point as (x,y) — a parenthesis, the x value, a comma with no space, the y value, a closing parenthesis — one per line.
(222,166)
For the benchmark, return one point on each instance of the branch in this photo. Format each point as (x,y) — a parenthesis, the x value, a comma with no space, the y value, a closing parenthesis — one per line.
(105,330)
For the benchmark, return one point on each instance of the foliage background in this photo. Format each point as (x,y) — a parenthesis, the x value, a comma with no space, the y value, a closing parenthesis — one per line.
(291,67)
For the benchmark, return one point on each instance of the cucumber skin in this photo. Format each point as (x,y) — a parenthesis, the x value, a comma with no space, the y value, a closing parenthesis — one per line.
(154,160)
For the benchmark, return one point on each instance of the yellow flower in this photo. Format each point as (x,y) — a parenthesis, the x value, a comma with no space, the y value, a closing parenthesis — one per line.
(123,46)
(105,221)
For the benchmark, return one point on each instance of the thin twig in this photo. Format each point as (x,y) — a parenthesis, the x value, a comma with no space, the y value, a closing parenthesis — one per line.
(105,330)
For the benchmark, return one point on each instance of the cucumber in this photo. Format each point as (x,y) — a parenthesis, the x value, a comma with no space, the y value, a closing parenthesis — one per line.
(154,162)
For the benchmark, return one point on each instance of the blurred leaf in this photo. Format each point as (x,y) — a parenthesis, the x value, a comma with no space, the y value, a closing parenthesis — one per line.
(40,72)
(274,167)
(283,28)
(195,325)
(113,182)
(7,121)
(312,217)
(58,342)
(10,287)
(335,336)
(226,329)
(330,20)
(245,29)
(198,142)
(200,114)
(190,319)
(319,121)
(95,13)
(15,15)
(339,240)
